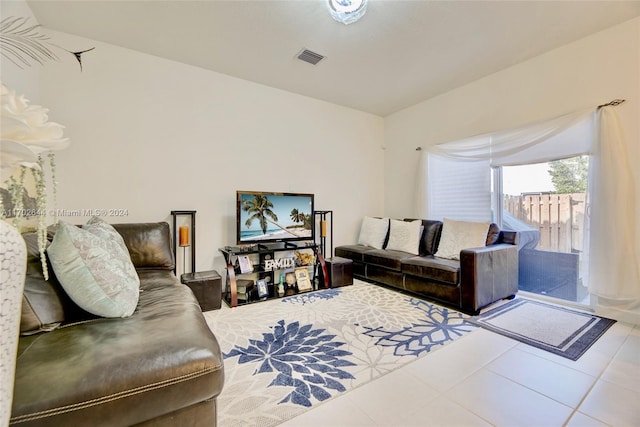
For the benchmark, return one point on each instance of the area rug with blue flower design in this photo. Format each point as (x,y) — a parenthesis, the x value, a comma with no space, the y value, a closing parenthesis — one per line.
(285,356)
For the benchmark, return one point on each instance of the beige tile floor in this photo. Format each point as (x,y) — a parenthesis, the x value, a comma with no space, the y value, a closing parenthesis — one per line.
(485,379)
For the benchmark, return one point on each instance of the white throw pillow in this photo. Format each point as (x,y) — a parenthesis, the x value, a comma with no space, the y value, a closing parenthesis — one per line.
(459,235)
(373,232)
(405,236)
(94,269)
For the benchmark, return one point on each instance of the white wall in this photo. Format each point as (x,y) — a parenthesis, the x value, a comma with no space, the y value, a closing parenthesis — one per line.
(24,80)
(588,72)
(150,135)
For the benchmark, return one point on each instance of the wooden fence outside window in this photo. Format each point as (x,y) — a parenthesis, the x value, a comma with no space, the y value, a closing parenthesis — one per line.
(560,218)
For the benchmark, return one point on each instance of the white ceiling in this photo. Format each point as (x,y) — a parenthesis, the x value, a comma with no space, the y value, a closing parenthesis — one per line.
(400,53)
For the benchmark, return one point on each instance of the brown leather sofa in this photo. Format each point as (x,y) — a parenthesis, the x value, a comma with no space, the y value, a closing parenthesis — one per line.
(482,276)
(162,366)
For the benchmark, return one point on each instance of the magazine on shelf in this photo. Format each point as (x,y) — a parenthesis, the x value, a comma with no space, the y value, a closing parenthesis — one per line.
(246,266)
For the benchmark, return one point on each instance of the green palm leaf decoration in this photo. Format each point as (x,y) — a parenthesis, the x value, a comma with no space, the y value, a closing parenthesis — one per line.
(22,43)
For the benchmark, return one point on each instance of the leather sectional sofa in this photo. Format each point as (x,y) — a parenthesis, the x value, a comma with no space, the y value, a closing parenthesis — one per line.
(482,276)
(161,366)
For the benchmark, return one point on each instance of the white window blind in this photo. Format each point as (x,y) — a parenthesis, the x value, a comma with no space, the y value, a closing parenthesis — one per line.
(459,190)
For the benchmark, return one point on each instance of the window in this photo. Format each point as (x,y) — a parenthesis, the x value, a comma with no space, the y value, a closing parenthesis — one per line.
(613,266)
(546,204)
(505,177)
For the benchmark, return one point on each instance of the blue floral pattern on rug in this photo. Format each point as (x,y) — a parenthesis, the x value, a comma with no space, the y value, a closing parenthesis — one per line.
(312,297)
(283,359)
(438,326)
(307,360)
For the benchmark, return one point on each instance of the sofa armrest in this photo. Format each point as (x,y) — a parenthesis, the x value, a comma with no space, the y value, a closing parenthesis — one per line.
(487,274)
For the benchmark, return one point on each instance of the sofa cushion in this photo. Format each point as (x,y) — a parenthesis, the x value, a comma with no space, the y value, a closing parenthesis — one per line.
(373,232)
(405,236)
(45,305)
(459,235)
(386,258)
(432,230)
(152,278)
(149,244)
(108,372)
(433,268)
(353,252)
(493,236)
(94,270)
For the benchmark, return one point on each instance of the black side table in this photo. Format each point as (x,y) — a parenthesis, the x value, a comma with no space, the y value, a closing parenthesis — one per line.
(206,286)
(340,271)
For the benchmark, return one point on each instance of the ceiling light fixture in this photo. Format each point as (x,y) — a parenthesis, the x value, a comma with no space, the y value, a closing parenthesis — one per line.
(347,11)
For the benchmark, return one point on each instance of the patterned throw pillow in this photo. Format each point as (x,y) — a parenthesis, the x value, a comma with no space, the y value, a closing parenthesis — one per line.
(405,236)
(94,269)
(105,231)
(373,232)
(459,235)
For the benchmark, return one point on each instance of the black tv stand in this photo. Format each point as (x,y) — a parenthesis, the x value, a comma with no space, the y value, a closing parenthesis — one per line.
(280,246)
(266,251)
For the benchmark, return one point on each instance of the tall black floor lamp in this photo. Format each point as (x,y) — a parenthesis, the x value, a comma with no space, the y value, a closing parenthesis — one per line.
(322,215)
(184,236)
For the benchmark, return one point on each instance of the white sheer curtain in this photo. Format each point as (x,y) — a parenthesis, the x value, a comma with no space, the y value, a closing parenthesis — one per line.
(614,267)
(613,250)
(561,137)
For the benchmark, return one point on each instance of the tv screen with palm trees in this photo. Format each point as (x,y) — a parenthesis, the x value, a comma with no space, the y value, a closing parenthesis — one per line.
(263,217)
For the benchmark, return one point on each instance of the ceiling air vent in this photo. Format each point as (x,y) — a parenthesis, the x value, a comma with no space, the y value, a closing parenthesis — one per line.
(311,57)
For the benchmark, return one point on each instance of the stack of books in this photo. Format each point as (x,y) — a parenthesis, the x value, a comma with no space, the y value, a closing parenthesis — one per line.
(245,286)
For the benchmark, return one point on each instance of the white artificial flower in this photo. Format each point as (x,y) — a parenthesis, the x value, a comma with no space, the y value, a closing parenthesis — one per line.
(14,154)
(25,131)
(25,134)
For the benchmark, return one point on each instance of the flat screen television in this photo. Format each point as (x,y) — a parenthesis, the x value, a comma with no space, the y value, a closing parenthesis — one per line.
(266,217)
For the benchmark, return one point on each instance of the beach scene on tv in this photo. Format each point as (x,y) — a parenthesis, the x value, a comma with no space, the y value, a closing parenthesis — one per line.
(275,217)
